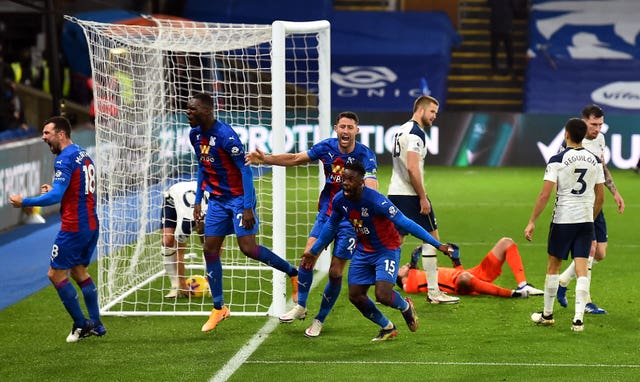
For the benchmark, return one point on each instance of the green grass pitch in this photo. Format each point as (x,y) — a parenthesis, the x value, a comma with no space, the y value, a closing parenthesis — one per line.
(481,339)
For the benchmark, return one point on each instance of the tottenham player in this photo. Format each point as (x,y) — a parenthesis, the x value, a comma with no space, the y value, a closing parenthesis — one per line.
(593,141)
(406,189)
(334,153)
(74,186)
(578,178)
(177,226)
(377,256)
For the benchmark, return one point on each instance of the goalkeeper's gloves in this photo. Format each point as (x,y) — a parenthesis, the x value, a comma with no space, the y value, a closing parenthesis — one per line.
(455,255)
(415,256)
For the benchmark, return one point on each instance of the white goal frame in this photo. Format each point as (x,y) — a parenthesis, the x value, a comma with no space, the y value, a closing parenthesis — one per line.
(280,31)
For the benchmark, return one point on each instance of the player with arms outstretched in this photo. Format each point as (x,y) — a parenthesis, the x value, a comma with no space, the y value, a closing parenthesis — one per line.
(377,256)
(232,200)
(74,187)
(334,153)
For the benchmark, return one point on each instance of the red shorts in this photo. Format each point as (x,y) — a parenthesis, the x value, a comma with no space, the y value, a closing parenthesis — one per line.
(488,270)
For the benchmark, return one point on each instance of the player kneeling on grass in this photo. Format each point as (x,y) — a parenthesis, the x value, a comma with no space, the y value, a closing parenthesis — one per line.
(472,281)
(377,255)
(177,226)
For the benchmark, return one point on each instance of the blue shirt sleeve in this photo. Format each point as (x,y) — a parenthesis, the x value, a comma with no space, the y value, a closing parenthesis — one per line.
(330,228)
(247,185)
(52,197)
(199,190)
(417,231)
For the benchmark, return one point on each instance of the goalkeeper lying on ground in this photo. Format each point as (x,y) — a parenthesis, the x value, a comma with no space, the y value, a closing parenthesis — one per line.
(476,280)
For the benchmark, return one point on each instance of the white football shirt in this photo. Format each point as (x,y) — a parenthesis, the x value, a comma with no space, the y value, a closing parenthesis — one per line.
(575,171)
(410,137)
(595,145)
(184,196)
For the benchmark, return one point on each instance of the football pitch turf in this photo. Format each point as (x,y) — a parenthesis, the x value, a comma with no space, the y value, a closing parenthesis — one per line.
(483,338)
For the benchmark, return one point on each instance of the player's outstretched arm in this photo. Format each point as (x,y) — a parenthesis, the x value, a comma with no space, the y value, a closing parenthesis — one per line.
(419,232)
(286,160)
(328,232)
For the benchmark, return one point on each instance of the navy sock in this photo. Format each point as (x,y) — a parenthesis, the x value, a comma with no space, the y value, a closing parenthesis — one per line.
(90,294)
(275,261)
(398,302)
(69,298)
(305,278)
(371,312)
(214,275)
(329,297)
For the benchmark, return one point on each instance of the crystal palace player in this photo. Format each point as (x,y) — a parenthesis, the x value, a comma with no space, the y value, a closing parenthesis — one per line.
(377,255)
(333,153)
(74,186)
(232,200)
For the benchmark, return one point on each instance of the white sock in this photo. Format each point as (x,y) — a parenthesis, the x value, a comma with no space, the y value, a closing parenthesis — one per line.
(170,262)
(551,283)
(568,274)
(582,295)
(430,266)
(590,263)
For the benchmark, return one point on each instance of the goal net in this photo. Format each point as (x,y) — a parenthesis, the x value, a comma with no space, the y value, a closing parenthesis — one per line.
(269,82)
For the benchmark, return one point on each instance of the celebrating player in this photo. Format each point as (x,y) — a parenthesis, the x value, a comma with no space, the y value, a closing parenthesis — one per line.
(177,225)
(377,255)
(74,186)
(334,153)
(232,200)
(473,281)
(577,176)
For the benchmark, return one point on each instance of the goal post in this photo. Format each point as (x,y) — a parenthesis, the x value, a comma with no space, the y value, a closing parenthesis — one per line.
(271,83)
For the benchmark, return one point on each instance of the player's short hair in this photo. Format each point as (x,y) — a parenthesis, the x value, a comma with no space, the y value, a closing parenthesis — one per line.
(592,109)
(577,129)
(205,99)
(348,114)
(423,102)
(356,166)
(60,123)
